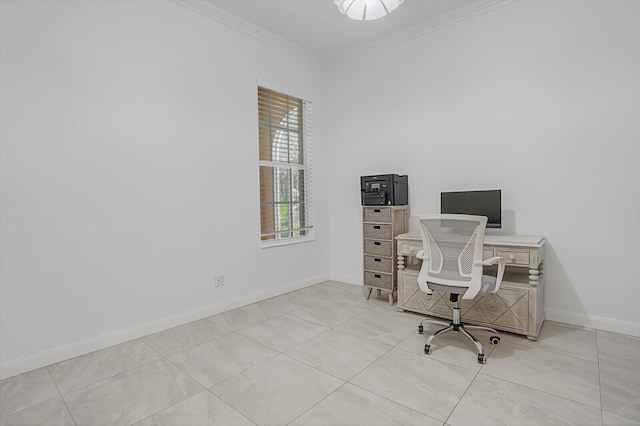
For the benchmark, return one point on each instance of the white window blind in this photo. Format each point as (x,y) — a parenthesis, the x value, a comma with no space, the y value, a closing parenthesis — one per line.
(286,199)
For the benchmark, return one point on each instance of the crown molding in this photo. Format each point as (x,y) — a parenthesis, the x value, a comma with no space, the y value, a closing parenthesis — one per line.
(207,9)
(211,11)
(431,25)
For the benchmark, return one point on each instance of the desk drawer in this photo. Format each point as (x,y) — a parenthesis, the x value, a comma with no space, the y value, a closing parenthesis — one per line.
(509,308)
(409,248)
(514,257)
(373,279)
(374,231)
(515,307)
(382,264)
(378,248)
(377,214)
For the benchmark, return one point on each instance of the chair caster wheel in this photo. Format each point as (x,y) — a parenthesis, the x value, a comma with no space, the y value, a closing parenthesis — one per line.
(427,349)
(494,340)
(420,329)
(481,358)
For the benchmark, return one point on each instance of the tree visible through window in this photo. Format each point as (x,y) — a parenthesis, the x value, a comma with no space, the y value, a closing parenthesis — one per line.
(284,141)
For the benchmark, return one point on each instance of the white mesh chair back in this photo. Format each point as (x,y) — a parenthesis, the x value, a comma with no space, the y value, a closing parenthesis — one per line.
(452,254)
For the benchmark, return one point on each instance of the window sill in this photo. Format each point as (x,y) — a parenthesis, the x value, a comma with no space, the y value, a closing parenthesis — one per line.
(288,241)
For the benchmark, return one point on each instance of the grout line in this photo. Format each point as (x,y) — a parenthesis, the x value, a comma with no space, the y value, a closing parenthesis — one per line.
(395,402)
(230,406)
(64,401)
(204,388)
(314,405)
(535,347)
(599,379)
(462,396)
(112,375)
(239,372)
(538,390)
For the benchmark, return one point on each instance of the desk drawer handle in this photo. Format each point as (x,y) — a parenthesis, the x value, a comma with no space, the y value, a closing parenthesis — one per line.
(377,259)
(376,226)
(377,275)
(512,256)
(491,306)
(376,210)
(377,243)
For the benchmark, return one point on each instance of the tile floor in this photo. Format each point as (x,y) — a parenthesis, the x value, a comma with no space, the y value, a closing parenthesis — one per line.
(325,356)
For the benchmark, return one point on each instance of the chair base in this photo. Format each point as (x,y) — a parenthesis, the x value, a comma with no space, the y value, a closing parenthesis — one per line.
(457,326)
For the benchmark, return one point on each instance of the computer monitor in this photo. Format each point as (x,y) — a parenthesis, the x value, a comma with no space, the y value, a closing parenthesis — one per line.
(480,203)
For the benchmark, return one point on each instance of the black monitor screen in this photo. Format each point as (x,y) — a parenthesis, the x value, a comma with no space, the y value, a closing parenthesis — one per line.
(480,203)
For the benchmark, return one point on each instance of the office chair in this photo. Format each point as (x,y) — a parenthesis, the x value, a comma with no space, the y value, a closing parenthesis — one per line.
(452,263)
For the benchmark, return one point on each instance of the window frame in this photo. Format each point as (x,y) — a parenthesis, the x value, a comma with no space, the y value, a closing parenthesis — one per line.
(303,135)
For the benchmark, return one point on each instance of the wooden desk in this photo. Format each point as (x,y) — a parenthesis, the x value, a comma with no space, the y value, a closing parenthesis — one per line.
(517,307)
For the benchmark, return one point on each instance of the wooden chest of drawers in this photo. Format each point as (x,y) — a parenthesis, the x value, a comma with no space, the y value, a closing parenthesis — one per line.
(380,225)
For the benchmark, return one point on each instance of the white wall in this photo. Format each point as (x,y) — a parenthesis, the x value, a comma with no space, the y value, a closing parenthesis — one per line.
(129,174)
(538,98)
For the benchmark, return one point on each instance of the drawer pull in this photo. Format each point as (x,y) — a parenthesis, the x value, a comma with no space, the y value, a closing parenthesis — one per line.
(376,226)
(377,243)
(377,275)
(512,256)
(377,259)
(376,210)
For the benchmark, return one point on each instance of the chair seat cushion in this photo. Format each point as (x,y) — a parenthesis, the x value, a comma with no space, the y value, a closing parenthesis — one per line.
(488,284)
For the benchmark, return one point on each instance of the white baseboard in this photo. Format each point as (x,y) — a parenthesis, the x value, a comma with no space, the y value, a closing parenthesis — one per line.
(592,321)
(52,356)
(349,279)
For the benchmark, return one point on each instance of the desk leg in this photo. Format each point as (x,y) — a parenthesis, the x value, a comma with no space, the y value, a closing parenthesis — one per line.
(534,275)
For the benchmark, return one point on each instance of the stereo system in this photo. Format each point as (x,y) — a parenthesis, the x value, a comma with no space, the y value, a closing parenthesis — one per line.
(384,190)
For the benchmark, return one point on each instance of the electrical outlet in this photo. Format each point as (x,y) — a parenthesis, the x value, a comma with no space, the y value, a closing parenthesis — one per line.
(219,280)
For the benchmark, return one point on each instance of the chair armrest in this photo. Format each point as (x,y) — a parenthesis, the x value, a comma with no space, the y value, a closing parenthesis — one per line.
(501,261)
(493,260)
(421,255)
(422,276)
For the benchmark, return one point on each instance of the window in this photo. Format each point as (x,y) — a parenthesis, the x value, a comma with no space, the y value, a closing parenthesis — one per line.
(284,124)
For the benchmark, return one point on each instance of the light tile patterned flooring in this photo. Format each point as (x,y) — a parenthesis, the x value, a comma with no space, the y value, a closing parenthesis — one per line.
(325,356)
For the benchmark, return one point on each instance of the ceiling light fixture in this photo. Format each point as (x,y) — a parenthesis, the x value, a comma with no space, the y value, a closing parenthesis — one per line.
(367,10)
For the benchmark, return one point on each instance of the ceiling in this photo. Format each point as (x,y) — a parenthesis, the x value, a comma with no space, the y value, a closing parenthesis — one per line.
(318,28)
